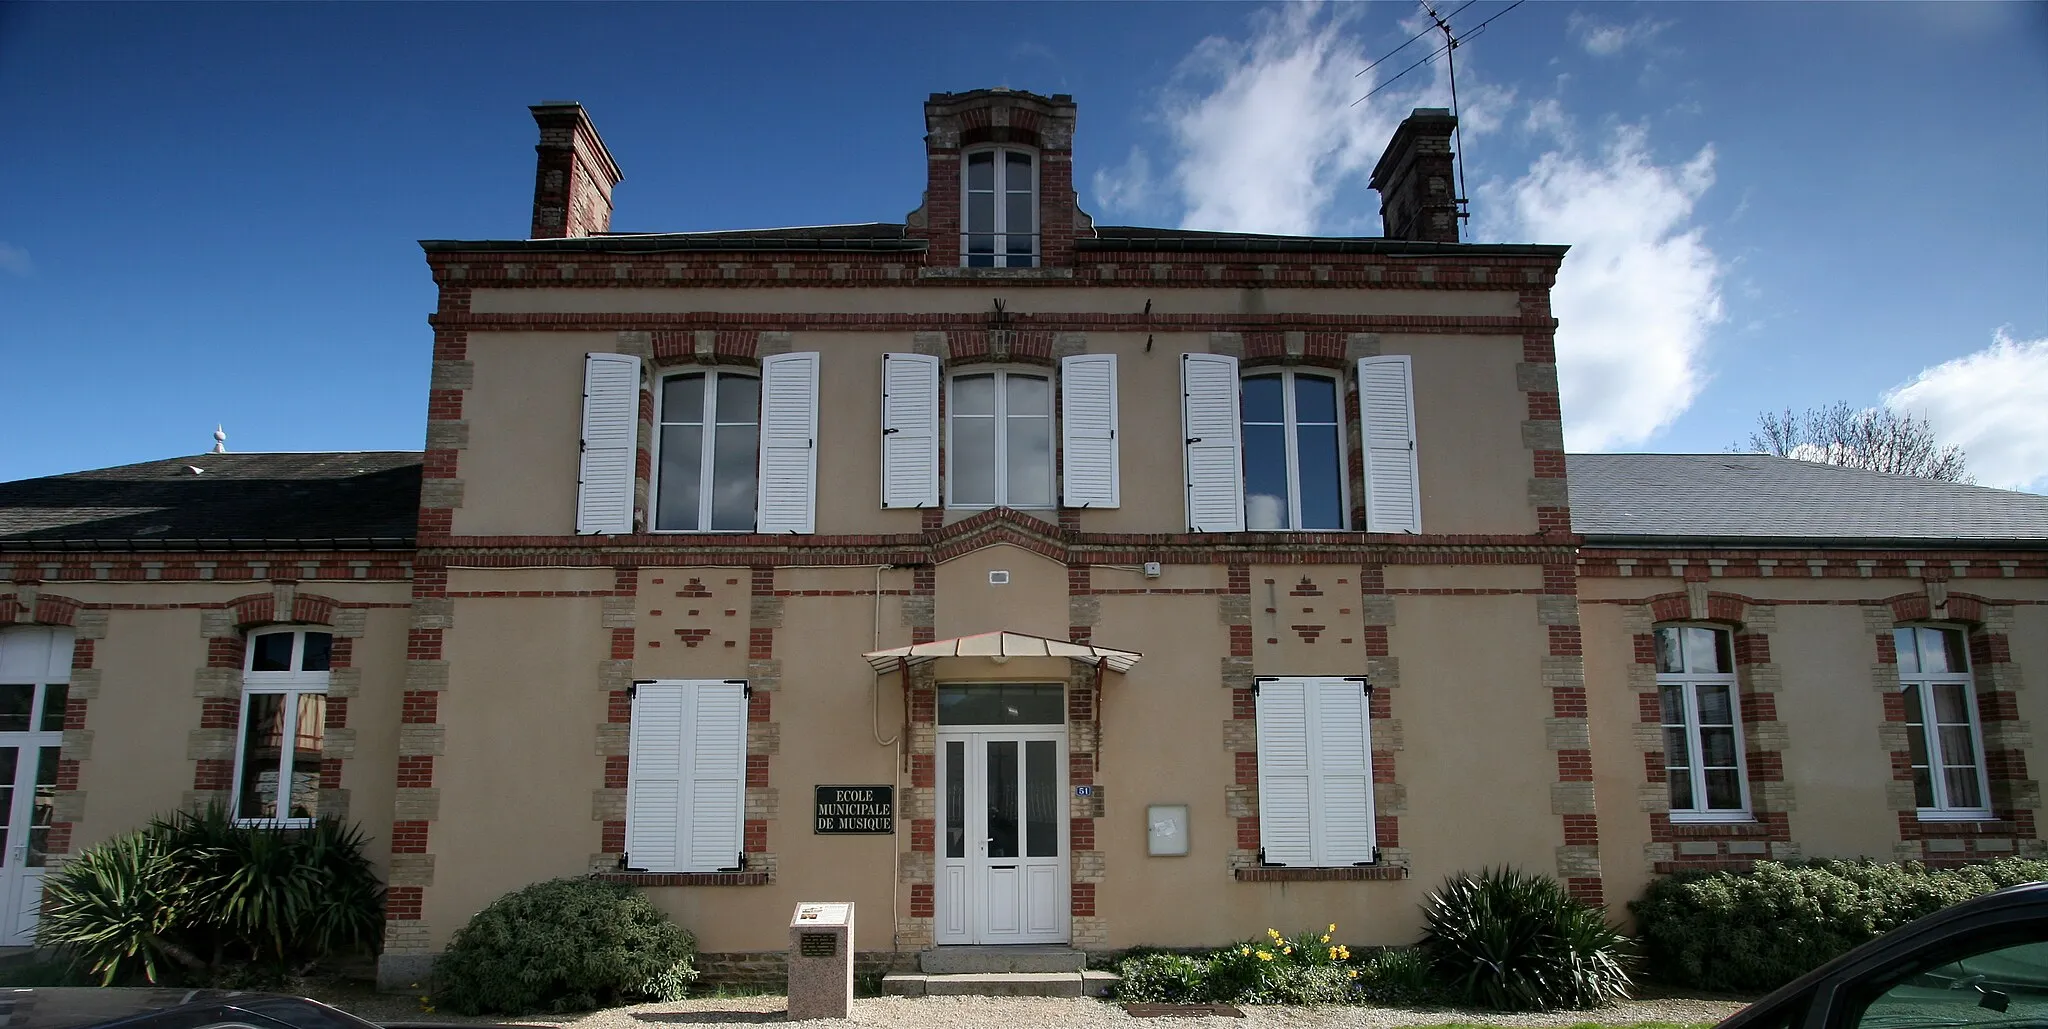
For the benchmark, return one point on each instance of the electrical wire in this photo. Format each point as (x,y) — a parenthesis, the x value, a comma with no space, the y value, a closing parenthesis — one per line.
(1412,39)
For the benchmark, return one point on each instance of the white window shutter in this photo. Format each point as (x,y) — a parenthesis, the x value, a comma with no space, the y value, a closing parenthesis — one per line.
(789,444)
(611,424)
(1088,418)
(1285,776)
(1393,490)
(654,777)
(1209,419)
(1341,752)
(717,777)
(910,430)
(686,775)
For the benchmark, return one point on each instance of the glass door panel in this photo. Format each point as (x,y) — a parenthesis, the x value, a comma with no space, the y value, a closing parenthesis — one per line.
(1002,799)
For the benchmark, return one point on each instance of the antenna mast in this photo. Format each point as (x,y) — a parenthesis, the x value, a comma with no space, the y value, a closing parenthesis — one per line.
(1451,44)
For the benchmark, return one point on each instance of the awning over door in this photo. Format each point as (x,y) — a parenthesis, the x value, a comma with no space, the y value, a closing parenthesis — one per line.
(1002,645)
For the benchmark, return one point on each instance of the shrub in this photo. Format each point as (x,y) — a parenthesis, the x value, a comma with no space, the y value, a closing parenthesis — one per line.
(1398,976)
(1310,984)
(1162,979)
(564,945)
(197,898)
(1751,932)
(1515,942)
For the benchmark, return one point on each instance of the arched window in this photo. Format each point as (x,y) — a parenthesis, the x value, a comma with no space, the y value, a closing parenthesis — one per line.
(1941,715)
(999,208)
(1703,761)
(707,453)
(1000,447)
(1293,451)
(283,728)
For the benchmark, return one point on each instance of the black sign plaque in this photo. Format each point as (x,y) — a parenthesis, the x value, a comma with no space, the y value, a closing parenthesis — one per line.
(856,810)
(817,945)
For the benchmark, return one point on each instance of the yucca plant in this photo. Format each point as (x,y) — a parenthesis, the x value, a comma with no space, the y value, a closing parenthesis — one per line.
(1515,942)
(197,898)
(118,911)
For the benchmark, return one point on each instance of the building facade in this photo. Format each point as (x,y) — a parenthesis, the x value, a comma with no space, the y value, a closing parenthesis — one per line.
(1019,579)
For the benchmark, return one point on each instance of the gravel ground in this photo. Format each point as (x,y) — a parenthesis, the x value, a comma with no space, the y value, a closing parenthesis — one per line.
(1033,1012)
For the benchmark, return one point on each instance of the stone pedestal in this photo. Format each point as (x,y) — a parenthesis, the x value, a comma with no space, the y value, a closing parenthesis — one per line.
(821,961)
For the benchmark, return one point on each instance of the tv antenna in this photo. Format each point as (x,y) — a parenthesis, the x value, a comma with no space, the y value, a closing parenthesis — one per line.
(1448,51)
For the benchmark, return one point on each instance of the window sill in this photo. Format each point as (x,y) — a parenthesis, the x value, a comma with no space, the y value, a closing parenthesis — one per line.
(1729,818)
(1356,873)
(1938,815)
(685,878)
(274,823)
(995,273)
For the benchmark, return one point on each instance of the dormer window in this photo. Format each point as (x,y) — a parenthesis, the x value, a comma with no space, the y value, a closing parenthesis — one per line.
(1000,209)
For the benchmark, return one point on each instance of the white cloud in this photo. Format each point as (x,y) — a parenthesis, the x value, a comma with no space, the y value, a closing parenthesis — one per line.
(1264,131)
(1603,39)
(14,260)
(1993,404)
(1127,187)
(1637,294)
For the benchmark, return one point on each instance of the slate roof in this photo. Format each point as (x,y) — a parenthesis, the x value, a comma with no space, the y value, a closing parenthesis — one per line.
(1718,497)
(367,500)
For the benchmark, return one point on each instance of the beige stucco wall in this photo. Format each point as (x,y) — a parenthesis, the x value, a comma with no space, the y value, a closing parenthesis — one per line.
(518,468)
(1834,760)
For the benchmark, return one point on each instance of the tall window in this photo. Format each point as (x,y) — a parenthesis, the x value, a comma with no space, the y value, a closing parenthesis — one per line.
(1000,447)
(1941,716)
(708,453)
(283,728)
(1000,219)
(1293,462)
(1702,724)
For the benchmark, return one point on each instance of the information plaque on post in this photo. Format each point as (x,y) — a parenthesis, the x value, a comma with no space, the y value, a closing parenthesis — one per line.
(821,961)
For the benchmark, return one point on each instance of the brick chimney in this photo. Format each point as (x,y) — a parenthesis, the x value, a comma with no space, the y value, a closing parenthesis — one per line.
(574,176)
(1417,180)
(957,122)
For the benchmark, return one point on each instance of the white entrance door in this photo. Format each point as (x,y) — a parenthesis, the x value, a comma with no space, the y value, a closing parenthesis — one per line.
(1002,835)
(35,669)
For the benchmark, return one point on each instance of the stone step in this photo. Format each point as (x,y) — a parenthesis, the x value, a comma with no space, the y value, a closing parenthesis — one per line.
(1000,984)
(992,960)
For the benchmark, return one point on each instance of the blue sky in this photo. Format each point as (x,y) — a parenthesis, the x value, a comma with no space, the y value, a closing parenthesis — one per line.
(210,212)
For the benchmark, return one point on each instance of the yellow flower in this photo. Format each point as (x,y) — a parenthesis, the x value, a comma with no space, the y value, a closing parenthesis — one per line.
(1354,973)
(1326,937)
(1287,950)
(1333,953)
(1274,933)
(1333,927)
(1244,950)
(1263,956)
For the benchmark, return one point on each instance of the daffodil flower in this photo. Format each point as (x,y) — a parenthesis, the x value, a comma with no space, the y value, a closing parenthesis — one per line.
(1333,927)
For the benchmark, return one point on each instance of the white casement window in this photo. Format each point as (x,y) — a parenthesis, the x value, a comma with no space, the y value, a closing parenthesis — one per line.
(999,208)
(999,451)
(686,776)
(1293,451)
(707,457)
(1703,765)
(1315,771)
(1942,731)
(283,728)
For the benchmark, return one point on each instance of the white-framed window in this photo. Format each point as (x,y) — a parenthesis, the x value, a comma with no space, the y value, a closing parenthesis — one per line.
(1315,771)
(707,452)
(686,776)
(1703,763)
(999,208)
(1941,716)
(283,727)
(999,449)
(1293,451)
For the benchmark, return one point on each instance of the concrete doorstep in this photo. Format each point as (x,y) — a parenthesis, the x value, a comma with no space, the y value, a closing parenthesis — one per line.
(1083,983)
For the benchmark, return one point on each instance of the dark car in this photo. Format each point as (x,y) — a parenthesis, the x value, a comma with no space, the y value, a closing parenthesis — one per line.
(79,1008)
(1983,962)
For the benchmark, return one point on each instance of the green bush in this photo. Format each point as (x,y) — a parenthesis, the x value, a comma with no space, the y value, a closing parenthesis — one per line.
(195,898)
(564,945)
(1751,932)
(1515,942)
(1162,979)
(1310,984)
(1397,976)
